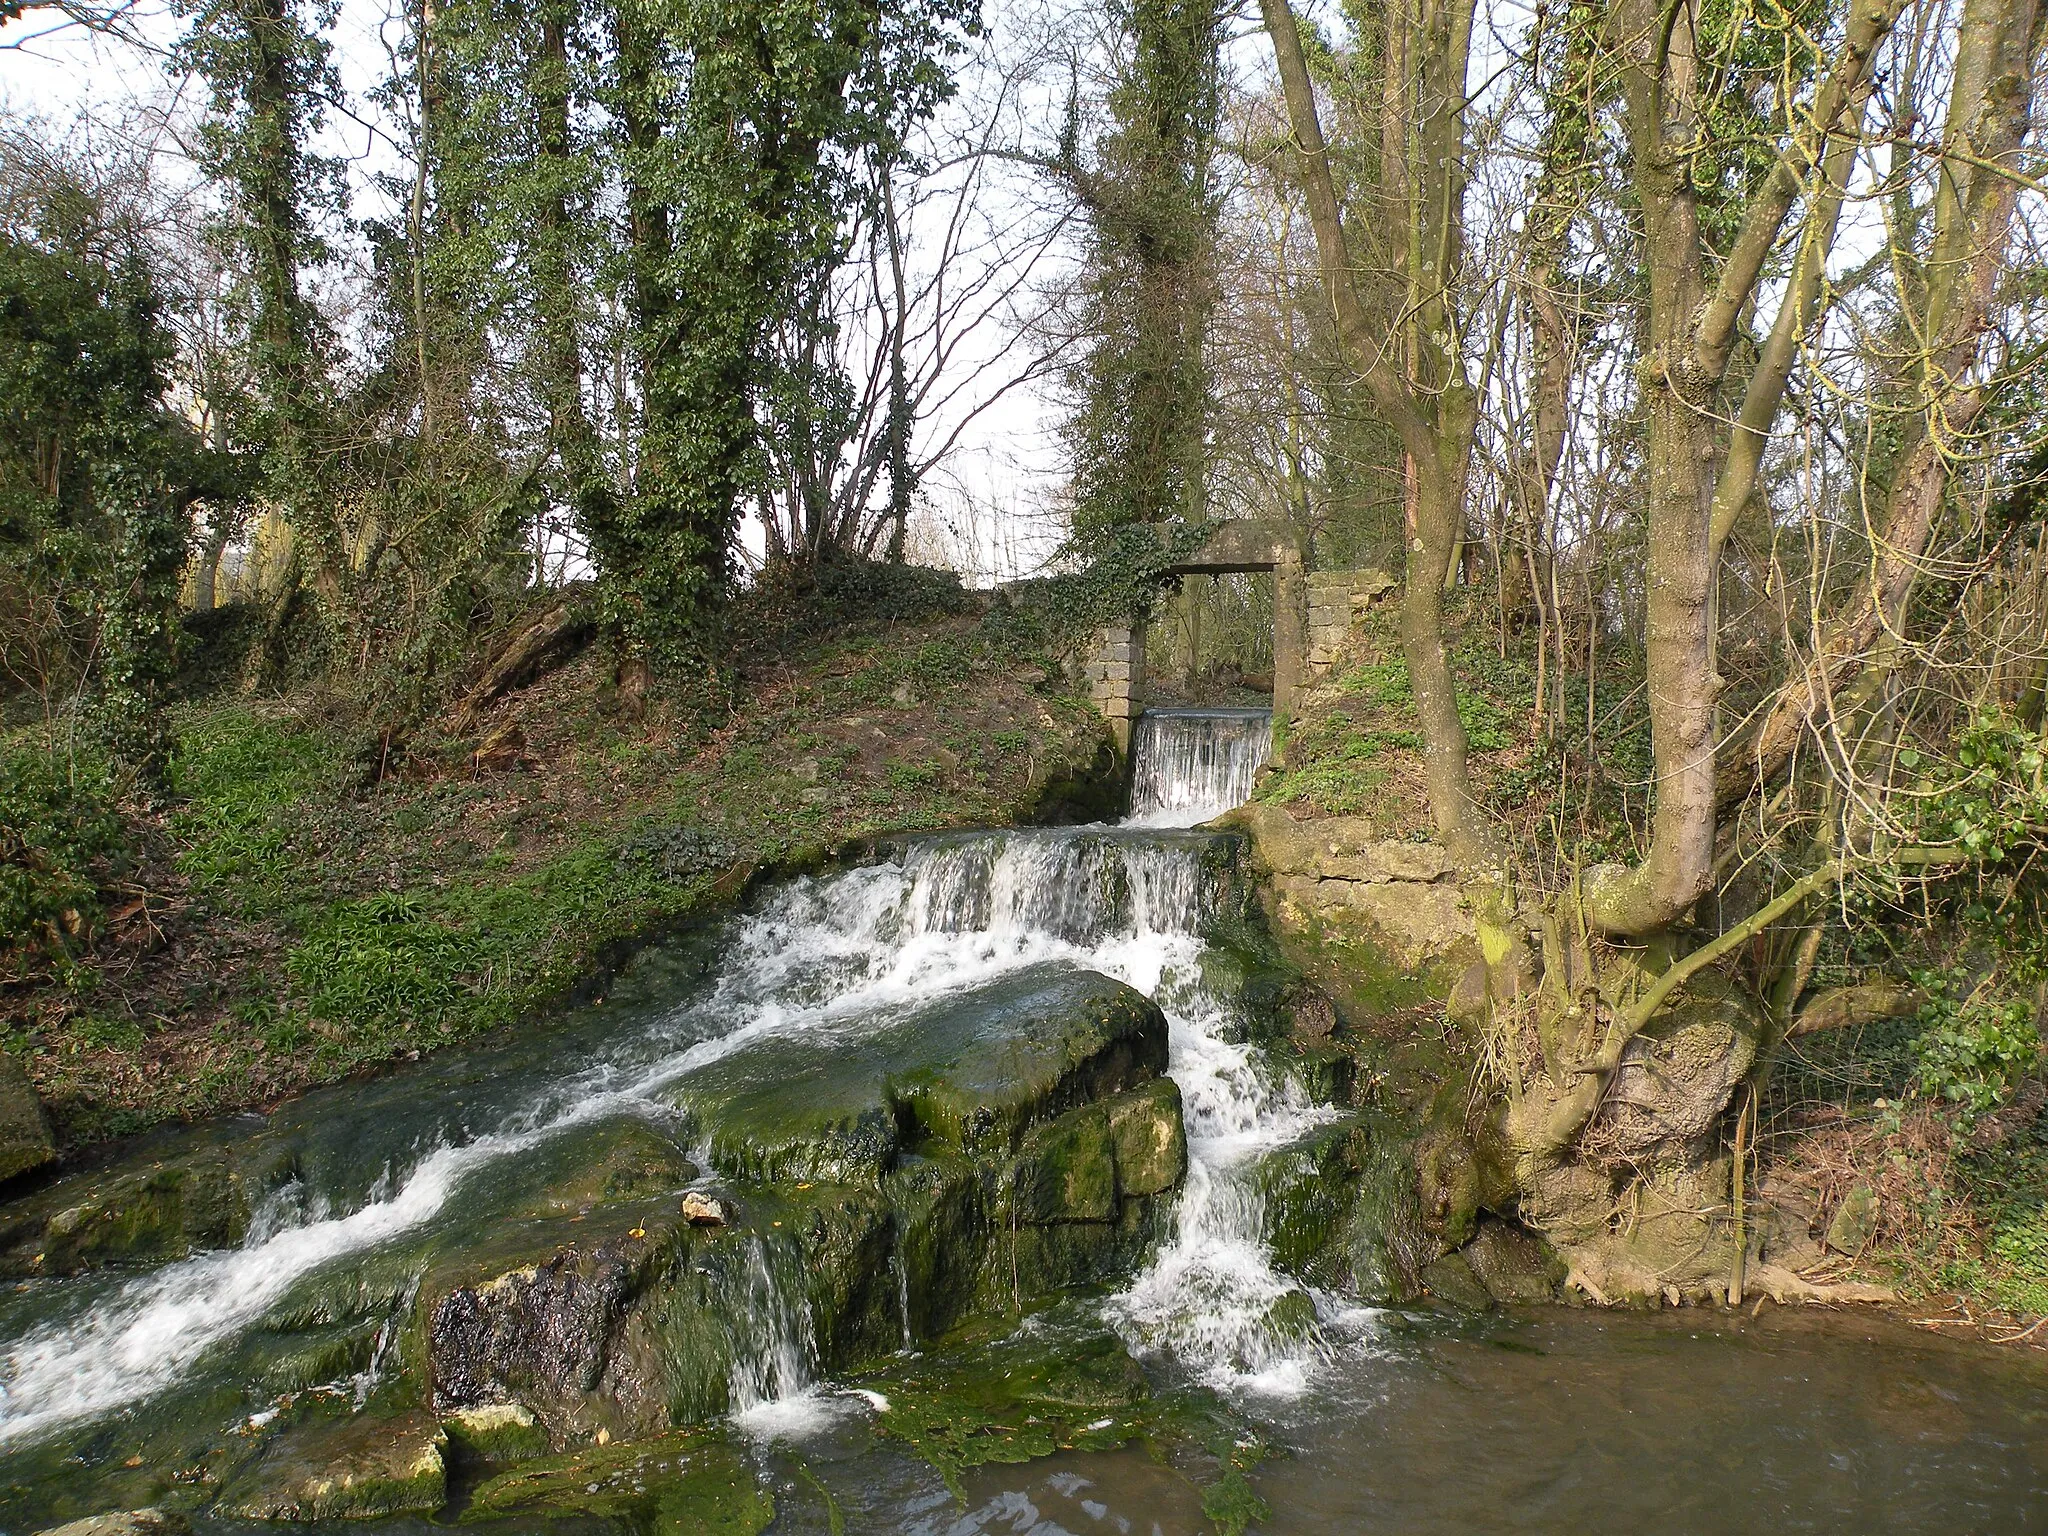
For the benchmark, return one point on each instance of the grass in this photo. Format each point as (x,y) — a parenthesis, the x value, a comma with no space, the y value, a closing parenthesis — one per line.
(304,921)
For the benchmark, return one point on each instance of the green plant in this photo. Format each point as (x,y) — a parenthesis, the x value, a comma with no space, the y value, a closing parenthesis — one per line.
(57,828)
(1973,1049)
(386,963)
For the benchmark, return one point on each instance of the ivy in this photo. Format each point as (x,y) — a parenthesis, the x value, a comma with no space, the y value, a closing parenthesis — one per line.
(1975,1046)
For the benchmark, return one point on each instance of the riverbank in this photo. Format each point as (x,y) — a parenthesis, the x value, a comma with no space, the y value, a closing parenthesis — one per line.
(309,903)
(1903,1152)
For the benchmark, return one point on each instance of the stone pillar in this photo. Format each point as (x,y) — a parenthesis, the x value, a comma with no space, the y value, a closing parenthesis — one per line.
(1115,672)
(1290,633)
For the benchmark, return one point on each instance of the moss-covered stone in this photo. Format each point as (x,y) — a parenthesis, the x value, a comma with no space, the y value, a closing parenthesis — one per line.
(1516,1266)
(146,1215)
(25,1140)
(1309,1191)
(1150,1138)
(130,1522)
(1066,1171)
(498,1433)
(1060,1382)
(1450,1279)
(358,1469)
(972,1073)
(318,1356)
(1385,1240)
(620,1159)
(676,1485)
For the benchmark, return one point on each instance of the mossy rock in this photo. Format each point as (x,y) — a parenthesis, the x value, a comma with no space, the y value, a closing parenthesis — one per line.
(1458,1176)
(1385,1239)
(677,1485)
(1450,1279)
(1066,1170)
(1309,1191)
(316,1357)
(1150,1139)
(358,1469)
(972,1073)
(130,1522)
(1061,1381)
(1517,1267)
(496,1433)
(138,1216)
(25,1139)
(609,1161)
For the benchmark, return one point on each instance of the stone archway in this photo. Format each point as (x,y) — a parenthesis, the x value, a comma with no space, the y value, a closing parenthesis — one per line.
(1115,666)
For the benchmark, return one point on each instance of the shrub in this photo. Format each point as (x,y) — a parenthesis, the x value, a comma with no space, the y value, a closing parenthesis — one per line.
(57,829)
(1972,1050)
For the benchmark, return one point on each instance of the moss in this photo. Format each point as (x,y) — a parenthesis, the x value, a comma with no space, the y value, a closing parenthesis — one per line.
(1059,1383)
(358,1469)
(1066,1171)
(1149,1137)
(497,1433)
(147,1216)
(678,1485)
(972,1073)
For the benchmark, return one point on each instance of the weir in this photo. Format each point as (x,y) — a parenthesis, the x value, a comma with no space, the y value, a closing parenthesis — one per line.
(1190,765)
(849,963)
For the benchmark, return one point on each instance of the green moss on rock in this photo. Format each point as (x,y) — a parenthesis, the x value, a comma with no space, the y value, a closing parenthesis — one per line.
(358,1469)
(676,1485)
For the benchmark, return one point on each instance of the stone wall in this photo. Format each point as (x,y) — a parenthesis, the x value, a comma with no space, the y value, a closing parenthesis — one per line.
(1114,670)
(1336,602)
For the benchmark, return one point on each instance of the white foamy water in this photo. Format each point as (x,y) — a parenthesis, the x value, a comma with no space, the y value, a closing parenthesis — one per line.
(942,917)
(1189,765)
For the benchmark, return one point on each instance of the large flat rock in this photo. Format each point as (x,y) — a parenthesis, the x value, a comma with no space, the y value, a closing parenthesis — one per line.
(971,1073)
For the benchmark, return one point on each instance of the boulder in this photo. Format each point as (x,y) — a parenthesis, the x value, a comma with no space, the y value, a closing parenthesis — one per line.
(1150,1139)
(357,1469)
(498,1433)
(25,1139)
(1418,924)
(1450,1279)
(146,1215)
(972,1073)
(677,1485)
(1854,1221)
(132,1522)
(1516,1266)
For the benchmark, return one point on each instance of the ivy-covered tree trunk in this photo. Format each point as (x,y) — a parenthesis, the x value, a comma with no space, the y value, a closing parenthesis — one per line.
(725,115)
(1138,434)
(266,72)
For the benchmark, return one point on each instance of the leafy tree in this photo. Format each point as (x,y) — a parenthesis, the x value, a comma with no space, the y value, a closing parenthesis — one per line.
(97,478)
(1142,393)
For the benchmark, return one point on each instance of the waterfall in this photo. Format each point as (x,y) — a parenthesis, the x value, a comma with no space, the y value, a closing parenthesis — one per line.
(837,953)
(1188,765)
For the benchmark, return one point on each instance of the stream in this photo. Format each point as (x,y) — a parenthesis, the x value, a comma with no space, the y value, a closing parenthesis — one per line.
(1380,1420)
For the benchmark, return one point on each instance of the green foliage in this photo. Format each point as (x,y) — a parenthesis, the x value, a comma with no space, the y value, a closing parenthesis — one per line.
(748,132)
(265,66)
(96,476)
(1138,431)
(1991,797)
(57,829)
(385,964)
(1122,572)
(245,778)
(1974,1046)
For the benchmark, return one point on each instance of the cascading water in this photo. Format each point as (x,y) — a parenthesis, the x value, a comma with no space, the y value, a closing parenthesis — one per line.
(842,953)
(1188,765)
